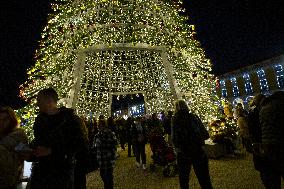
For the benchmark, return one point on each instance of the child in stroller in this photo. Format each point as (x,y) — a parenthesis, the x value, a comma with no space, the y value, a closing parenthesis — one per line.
(163,154)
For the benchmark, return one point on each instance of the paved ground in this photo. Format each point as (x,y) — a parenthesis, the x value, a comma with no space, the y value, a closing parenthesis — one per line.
(226,173)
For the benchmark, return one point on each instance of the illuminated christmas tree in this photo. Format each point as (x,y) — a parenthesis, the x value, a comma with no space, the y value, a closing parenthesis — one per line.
(93,49)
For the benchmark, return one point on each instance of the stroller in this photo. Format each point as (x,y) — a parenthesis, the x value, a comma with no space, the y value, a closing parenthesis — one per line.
(163,155)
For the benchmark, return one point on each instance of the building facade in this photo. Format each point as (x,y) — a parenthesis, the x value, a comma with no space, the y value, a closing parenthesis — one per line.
(133,111)
(241,85)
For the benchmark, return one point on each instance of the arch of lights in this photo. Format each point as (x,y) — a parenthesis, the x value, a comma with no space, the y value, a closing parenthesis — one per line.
(102,71)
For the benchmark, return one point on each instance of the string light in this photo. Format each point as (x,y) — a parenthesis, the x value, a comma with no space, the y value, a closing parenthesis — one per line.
(75,26)
(262,80)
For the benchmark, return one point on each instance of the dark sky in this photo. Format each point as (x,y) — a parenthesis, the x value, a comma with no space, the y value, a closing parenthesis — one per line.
(234,33)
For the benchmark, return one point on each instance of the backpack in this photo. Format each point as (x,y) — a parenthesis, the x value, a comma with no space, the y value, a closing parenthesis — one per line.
(199,129)
(193,133)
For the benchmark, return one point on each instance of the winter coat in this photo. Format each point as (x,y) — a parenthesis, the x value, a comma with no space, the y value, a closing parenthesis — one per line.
(136,134)
(184,135)
(243,125)
(167,125)
(272,119)
(62,133)
(11,164)
(154,124)
(129,126)
(82,155)
(105,145)
(121,130)
(255,135)
(254,125)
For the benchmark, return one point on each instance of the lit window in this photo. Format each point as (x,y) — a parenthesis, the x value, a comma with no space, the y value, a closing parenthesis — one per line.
(235,86)
(262,80)
(223,88)
(137,110)
(248,85)
(279,75)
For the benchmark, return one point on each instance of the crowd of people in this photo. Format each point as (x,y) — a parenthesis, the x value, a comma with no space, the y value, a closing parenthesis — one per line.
(134,132)
(63,142)
(261,131)
(65,145)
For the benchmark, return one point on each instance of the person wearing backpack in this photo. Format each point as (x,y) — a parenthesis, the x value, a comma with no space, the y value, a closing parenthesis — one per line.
(188,135)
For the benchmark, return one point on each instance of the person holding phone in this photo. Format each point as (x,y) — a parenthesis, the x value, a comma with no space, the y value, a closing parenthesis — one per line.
(59,137)
(11,160)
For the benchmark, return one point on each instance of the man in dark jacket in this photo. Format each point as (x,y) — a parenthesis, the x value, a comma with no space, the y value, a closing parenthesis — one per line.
(189,146)
(58,137)
(255,134)
(272,128)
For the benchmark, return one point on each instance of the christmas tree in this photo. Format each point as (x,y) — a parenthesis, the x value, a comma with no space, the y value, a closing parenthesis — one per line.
(93,49)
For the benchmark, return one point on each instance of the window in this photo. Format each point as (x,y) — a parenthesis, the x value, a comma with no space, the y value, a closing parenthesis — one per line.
(235,86)
(248,85)
(137,110)
(262,80)
(223,88)
(279,75)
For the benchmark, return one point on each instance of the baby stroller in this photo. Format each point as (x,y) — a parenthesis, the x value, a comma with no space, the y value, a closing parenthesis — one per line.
(163,155)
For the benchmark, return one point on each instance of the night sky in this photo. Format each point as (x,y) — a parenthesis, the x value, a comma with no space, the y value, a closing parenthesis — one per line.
(234,33)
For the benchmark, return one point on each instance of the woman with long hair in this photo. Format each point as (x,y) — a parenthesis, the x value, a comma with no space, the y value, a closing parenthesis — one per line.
(189,143)
(11,162)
